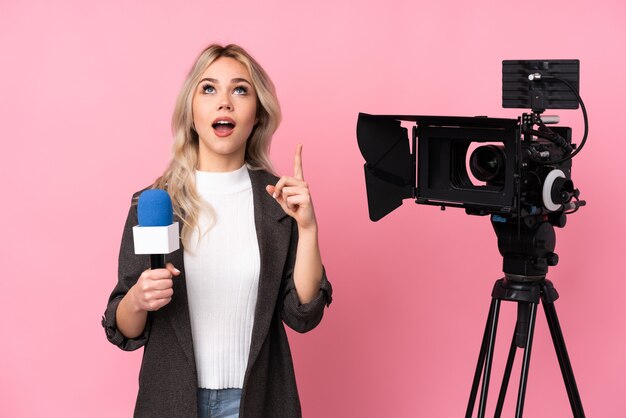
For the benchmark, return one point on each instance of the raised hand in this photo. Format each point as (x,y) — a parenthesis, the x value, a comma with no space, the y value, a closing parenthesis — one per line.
(293,195)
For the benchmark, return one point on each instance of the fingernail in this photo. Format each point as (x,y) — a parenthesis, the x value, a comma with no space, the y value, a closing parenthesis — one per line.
(176,270)
(274,195)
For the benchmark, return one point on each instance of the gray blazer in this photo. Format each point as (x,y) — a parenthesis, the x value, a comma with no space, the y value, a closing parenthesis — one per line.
(167,379)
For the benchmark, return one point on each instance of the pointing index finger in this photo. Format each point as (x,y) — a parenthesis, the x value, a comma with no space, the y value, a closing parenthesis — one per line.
(297,164)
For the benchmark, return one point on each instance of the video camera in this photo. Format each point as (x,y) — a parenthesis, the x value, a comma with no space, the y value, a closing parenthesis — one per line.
(509,168)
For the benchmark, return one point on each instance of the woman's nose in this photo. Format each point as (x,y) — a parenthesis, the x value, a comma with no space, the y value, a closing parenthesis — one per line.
(225,103)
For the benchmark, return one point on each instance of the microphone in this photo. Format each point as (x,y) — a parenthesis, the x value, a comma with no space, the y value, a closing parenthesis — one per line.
(156,233)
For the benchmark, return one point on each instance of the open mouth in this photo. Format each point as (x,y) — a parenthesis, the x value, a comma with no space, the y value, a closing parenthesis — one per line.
(223,126)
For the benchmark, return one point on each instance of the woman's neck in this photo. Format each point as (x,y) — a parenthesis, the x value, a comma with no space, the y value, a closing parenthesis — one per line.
(220,163)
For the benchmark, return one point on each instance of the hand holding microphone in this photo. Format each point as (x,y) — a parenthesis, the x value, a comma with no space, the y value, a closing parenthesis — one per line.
(154,289)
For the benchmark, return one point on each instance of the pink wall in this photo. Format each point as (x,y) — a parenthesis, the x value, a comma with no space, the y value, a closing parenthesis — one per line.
(86,94)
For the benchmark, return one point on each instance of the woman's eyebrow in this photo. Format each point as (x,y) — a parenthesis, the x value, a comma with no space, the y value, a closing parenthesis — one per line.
(239,80)
(233,81)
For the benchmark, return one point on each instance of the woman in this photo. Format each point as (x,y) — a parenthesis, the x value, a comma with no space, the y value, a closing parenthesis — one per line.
(211,322)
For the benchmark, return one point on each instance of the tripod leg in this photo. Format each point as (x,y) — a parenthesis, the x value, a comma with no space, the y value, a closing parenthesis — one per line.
(493,326)
(480,365)
(520,337)
(561,353)
(526,363)
(507,376)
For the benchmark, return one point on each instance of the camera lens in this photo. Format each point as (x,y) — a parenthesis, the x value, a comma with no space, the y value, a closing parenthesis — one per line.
(487,163)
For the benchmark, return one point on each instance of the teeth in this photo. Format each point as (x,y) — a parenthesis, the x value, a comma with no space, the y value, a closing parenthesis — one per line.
(223,122)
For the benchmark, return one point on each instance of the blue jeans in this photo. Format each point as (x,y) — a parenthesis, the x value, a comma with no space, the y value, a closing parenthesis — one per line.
(218,403)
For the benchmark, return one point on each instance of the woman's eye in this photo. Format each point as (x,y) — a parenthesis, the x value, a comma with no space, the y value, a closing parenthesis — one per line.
(240,90)
(207,88)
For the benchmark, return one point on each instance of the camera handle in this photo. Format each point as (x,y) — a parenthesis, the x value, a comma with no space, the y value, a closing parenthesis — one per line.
(528,122)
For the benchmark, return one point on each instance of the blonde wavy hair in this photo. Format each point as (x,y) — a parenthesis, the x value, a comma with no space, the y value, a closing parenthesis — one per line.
(179,177)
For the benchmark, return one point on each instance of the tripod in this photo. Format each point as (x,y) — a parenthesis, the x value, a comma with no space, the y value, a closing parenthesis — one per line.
(527,247)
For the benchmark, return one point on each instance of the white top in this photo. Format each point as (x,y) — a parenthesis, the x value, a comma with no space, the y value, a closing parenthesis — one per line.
(222,273)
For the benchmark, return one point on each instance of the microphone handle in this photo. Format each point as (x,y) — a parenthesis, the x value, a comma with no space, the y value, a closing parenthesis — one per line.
(157,261)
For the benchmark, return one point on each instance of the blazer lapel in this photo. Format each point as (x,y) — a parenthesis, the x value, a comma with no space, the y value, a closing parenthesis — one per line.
(273,237)
(179,316)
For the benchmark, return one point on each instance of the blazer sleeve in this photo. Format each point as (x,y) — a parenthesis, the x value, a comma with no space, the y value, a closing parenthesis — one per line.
(130,267)
(298,316)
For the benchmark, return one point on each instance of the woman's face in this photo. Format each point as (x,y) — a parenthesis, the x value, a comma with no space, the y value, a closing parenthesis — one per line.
(224,114)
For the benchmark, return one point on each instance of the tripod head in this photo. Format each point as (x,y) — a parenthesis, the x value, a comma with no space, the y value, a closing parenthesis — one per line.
(527,245)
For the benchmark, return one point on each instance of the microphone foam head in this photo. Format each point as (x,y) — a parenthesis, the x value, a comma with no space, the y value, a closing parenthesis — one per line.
(155,208)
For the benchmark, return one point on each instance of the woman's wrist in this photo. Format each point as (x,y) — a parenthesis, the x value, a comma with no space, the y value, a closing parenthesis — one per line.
(310,229)
(132,303)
